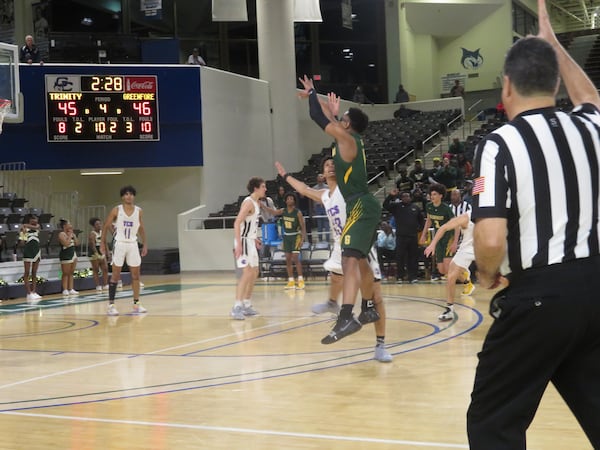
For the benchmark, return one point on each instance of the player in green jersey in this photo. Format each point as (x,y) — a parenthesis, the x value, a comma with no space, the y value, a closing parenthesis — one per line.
(438,213)
(294,235)
(363,210)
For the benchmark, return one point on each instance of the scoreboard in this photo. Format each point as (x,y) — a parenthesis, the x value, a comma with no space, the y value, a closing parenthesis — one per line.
(94,108)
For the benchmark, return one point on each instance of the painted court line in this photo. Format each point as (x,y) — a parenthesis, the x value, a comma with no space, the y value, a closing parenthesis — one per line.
(399,442)
(76,369)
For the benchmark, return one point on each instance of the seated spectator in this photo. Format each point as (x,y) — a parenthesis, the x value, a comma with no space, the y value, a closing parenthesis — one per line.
(386,242)
(418,197)
(29,52)
(465,168)
(500,111)
(360,96)
(280,198)
(456,147)
(418,174)
(437,165)
(195,59)
(403,182)
(403,112)
(446,174)
(268,211)
(401,95)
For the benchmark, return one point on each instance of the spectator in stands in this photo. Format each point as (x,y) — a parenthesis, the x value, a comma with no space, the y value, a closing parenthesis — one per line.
(456,147)
(403,182)
(268,211)
(29,52)
(457,90)
(409,221)
(97,259)
(360,96)
(465,168)
(437,164)
(319,211)
(447,174)
(67,256)
(280,198)
(418,198)
(467,192)
(500,112)
(418,174)
(40,25)
(401,95)
(31,257)
(195,59)
(403,112)
(386,243)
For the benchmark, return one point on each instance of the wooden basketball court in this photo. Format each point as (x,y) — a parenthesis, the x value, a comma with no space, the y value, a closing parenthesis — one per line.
(186,376)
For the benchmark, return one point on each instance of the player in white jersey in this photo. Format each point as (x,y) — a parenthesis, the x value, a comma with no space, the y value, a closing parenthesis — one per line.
(127,218)
(459,266)
(335,208)
(245,249)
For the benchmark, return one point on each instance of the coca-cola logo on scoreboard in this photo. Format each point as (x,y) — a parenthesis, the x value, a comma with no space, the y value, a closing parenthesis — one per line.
(140,84)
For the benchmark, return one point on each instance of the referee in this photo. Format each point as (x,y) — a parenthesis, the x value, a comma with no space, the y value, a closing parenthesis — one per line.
(536,208)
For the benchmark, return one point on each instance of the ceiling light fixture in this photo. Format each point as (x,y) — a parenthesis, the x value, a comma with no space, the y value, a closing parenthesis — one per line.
(101,171)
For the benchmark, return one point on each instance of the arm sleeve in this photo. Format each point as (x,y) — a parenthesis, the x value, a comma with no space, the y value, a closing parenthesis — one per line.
(316,113)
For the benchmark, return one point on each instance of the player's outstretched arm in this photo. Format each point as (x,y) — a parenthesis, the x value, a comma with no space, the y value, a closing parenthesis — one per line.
(332,127)
(579,86)
(299,186)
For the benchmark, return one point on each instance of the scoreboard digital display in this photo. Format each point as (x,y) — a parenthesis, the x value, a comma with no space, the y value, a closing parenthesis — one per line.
(94,108)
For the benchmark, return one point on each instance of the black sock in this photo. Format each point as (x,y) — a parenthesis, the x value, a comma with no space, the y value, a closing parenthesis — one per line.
(135,301)
(333,302)
(380,341)
(367,304)
(112,291)
(346,311)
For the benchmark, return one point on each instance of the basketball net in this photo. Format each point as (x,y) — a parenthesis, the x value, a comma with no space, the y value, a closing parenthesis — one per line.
(4,108)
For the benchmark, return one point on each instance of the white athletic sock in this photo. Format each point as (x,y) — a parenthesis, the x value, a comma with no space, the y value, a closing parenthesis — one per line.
(247,302)
(238,303)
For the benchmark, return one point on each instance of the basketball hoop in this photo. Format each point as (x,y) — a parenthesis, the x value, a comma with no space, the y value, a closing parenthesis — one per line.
(4,109)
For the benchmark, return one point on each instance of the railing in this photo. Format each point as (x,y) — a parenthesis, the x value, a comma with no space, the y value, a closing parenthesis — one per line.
(376,178)
(430,138)
(82,217)
(11,176)
(64,205)
(36,189)
(476,114)
(449,125)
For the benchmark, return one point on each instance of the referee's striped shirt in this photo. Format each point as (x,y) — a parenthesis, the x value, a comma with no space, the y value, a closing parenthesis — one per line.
(541,172)
(461,208)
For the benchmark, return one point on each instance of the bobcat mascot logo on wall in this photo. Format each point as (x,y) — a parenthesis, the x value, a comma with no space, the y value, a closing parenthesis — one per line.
(471,60)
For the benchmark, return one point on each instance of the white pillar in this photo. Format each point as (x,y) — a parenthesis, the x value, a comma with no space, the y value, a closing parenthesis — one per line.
(277,65)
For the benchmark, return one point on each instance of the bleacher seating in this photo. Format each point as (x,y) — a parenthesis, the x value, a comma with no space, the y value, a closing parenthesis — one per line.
(386,141)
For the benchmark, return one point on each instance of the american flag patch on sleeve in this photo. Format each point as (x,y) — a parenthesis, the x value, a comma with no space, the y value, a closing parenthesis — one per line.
(478,186)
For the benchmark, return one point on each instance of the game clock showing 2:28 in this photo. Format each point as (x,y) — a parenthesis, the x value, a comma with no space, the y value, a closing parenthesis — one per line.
(97,108)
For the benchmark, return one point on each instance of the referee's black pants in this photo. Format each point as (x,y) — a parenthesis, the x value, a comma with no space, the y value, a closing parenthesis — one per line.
(547,329)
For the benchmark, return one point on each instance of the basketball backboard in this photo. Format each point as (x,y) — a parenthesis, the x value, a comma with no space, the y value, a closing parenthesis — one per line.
(9,81)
